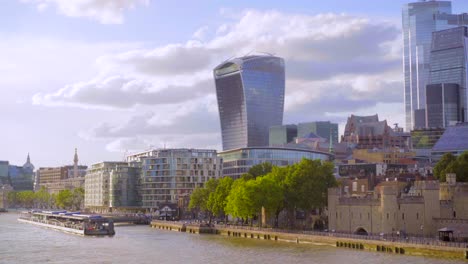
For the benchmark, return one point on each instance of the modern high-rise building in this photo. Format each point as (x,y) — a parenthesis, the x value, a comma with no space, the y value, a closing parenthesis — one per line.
(281,135)
(420,20)
(442,104)
(324,129)
(250,92)
(448,63)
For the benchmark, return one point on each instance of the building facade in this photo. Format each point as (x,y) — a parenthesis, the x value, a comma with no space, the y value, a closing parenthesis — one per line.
(238,161)
(324,129)
(367,132)
(111,186)
(168,174)
(454,140)
(387,156)
(56,179)
(448,66)
(250,93)
(281,135)
(420,20)
(393,208)
(442,104)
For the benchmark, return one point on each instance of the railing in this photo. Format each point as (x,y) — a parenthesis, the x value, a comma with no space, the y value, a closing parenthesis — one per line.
(396,239)
(55,223)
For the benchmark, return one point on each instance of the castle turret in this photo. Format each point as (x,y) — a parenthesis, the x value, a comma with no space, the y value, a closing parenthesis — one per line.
(389,207)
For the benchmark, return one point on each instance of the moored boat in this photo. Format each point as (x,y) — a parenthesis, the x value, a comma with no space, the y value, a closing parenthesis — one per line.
(70,222)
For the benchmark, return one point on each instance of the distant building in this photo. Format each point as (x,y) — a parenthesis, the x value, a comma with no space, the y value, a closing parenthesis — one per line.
(113,186)
(388,156)
(367,132)
(168,174)
(55,179)
(324,129)
(426,138)
(19,177)
(280,135)
(250,92)
(454,140)
(238,161)
(448,65)
(442,105)
(420,19)
(4,190)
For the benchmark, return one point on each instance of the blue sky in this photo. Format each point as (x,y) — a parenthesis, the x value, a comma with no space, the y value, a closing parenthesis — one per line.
(116,76)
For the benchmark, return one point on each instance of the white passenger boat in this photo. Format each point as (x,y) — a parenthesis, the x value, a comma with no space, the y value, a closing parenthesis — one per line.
(70,222)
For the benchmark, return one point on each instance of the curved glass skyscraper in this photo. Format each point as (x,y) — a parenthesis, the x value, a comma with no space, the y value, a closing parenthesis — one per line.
(250,92)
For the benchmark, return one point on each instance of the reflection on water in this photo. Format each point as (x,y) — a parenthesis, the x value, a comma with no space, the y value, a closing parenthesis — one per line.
(24,243)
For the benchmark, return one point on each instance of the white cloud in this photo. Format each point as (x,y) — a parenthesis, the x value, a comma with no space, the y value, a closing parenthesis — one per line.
(335,63)
(103,11)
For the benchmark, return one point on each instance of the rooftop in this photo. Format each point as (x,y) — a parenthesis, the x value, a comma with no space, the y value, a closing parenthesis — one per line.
(455,138)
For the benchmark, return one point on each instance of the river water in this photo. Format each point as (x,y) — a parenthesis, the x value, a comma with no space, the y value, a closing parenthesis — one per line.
(25,243)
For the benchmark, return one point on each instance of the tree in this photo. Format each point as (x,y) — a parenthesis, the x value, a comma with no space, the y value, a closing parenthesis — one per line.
(64,199)
(440,169)
(241,200)
(42,198)
(459,167)
(306,185)
(269,194)
(257,170)
(218,198)
(78,198)
(199,199)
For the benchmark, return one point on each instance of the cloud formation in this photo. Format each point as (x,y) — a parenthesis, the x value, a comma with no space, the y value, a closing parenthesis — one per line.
(335,63)
(121,92)
(103,11)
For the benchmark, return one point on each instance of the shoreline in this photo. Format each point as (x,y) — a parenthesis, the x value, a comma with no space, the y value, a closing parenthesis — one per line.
(384,246)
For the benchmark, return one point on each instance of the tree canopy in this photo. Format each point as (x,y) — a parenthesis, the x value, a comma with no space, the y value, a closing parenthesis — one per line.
(451,164)
(300,186)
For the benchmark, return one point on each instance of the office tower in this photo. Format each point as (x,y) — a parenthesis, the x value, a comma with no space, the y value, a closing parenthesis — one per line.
(448,64)
(324,129)
(443,104)
(250,92)
(420,19)
(281,135)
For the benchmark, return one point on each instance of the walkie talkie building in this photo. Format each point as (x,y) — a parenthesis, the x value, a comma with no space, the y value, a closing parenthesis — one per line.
(250,92)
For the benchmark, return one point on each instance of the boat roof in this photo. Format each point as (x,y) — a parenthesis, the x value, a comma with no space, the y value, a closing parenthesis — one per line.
(74,216)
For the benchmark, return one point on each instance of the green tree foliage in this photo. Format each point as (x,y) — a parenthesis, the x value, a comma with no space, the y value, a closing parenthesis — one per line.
(218,198)
(440,169)
(451,164)
(241,199)
(43,198)
(64,199)
(78,198)
(258,170)
(300,186)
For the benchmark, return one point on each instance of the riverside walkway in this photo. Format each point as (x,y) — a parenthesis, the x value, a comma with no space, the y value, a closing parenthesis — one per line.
(411,246)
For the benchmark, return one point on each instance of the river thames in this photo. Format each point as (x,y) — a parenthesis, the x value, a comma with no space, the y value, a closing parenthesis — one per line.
(24,243)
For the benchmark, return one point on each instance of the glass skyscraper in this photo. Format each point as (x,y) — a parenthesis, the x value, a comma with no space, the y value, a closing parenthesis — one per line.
(448,65)
(442,104)
(420,19)
(250,92)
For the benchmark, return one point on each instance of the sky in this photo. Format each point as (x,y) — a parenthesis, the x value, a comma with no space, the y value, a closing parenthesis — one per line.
(111,77)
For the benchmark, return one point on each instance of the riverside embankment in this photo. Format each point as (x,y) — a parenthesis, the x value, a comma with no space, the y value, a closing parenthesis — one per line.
(427,248)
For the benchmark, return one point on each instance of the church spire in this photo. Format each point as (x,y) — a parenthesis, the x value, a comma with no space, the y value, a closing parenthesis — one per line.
(75,159)
(75,164)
